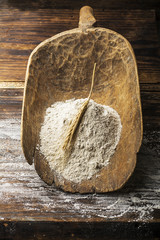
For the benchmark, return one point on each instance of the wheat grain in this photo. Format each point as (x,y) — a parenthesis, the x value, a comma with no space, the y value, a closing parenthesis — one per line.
(76,121)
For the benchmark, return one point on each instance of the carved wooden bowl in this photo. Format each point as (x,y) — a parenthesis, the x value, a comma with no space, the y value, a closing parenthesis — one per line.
(60,68)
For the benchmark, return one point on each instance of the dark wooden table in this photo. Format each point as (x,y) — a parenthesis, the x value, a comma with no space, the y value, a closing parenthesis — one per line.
(29,209)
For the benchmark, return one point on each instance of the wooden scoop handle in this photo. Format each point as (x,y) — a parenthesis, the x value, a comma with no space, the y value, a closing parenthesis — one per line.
(86,18)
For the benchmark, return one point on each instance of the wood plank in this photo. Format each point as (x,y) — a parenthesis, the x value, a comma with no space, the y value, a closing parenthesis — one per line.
(151,108)
(11,105)
(21,31)
(12,84)
(109,4)
(78,231)
(150,87)
(29,209)
(24,197)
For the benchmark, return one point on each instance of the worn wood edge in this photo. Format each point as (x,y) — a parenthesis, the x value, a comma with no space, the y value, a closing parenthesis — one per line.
(77,220)
(138,92)
(86,17)
(140,106)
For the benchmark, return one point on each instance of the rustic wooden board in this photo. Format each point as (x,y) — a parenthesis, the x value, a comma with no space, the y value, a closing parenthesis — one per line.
(24,197)
(19,180)
(10,102)
(29,209)
(11,105)
(109,4)
(21,31)
(28,203)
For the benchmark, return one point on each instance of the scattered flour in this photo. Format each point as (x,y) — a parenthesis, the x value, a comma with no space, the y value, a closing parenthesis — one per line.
(22,191)
(96,138)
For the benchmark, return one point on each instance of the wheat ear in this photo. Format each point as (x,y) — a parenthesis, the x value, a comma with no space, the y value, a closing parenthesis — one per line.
(75,122)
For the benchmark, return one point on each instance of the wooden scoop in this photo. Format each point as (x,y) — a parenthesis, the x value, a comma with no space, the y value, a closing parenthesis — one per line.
(60,68)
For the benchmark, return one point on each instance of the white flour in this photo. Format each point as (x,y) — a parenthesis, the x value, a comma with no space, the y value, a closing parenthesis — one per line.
(96,138)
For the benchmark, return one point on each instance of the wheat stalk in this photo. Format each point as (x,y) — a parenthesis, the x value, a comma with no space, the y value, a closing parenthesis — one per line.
(75,122)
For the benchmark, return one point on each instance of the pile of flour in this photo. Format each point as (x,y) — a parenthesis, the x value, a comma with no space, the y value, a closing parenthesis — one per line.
(96,138)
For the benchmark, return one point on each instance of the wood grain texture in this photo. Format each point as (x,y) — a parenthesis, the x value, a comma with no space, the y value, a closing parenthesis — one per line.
(25,199)
(110,4)
(10,103)
(18,40)
(21,31)
(59,69)
(143,185)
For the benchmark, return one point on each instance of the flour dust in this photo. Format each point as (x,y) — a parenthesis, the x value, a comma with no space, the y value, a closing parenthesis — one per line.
(95,142)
